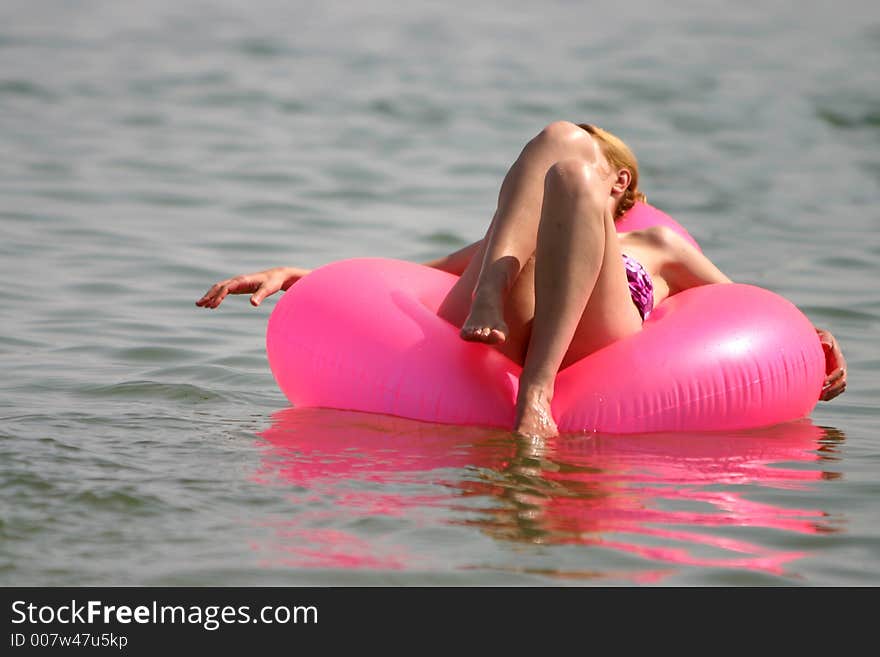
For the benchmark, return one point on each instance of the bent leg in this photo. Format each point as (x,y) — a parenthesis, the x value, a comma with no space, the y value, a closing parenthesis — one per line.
(582,299)
(512,236)
(519,307)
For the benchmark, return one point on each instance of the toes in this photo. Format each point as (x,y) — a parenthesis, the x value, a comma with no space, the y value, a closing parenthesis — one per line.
(497,336)
(472,332)
(485,334)
(475,333)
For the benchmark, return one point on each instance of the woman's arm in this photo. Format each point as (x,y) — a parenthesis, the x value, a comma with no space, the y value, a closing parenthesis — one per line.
(265,283)
(687,267)
(684,266)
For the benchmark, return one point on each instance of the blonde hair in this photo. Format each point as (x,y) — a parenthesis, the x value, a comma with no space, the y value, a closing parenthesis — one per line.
(619,156)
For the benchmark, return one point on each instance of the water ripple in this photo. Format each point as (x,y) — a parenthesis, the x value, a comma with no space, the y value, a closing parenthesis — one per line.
(147,390)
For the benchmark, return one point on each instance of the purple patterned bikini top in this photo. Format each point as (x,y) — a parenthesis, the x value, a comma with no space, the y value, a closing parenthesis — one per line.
(640,286)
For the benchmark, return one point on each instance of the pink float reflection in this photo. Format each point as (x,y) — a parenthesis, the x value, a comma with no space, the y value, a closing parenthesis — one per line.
(360,479)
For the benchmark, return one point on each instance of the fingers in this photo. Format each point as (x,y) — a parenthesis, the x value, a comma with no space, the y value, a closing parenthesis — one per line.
(213,297)
(835,384)
(262,284)
(219,291)
(835,367)
(267,288)
(830,393)
(835,376)
(262,292)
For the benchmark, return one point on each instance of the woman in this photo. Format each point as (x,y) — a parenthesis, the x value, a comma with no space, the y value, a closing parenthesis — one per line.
(552,281)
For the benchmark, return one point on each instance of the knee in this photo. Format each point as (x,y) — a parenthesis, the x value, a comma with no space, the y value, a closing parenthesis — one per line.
(571,178)
(560,133)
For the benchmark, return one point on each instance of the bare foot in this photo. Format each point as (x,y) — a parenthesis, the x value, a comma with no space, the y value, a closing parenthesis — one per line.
(485,322)
(534,418)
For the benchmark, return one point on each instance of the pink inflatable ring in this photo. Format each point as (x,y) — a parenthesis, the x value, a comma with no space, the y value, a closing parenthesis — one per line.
(364,335)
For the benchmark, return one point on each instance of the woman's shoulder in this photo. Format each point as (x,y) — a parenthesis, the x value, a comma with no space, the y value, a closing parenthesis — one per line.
(657,237)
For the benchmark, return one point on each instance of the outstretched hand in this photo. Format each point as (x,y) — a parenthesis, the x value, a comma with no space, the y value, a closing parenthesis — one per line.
(835,367)
(259,285)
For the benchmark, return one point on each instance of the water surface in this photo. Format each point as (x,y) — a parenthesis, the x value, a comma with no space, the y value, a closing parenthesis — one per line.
(150,149)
